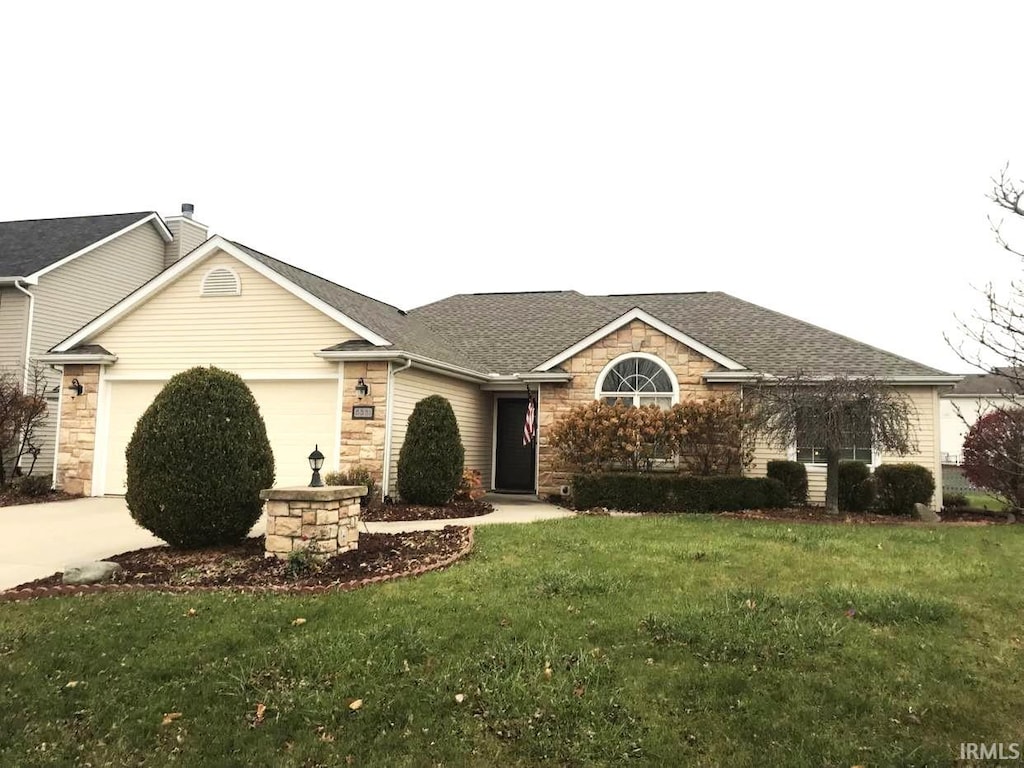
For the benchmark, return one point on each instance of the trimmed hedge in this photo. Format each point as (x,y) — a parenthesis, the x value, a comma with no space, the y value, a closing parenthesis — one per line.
(856,488)
(674,493)
(793,475)
(900,486)
(198,459)
(432,457)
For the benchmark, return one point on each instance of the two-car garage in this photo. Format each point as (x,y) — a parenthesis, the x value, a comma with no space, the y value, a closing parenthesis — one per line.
(299,414)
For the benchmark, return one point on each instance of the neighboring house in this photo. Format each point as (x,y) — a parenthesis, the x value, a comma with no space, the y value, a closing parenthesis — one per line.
(56,274)
(334,368)
(964,404)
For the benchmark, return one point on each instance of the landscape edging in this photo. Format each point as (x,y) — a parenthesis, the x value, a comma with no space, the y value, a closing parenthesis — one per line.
(65,590)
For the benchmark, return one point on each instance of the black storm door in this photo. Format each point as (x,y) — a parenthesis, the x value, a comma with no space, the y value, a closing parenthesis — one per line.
(514,462)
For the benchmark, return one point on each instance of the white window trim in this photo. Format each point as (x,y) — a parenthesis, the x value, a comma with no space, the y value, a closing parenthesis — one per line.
(817,466)
(600,394)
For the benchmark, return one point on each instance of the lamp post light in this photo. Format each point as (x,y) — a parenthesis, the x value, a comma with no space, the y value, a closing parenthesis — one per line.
(316,462)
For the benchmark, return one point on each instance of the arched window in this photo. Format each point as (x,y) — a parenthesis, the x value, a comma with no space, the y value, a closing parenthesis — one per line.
(638,379)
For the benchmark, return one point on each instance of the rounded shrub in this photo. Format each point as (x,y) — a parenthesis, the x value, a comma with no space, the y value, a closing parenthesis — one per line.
(901,486)
(856,488)
(432,457)
(793,476)
(198,459)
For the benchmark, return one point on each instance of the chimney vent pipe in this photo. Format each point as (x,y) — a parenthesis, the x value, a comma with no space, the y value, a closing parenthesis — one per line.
(187,209)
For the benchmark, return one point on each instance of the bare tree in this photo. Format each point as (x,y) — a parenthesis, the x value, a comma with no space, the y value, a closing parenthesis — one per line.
(22,411)
(829,416)
(992,338)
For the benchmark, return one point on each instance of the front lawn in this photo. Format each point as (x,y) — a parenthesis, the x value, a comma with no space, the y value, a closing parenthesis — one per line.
(590,641)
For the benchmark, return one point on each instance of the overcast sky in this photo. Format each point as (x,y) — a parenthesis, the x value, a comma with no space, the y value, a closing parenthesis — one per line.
(826,160)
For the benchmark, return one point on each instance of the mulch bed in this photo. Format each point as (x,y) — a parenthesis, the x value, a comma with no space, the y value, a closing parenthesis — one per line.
(9,498)
(380,557)
(388,513)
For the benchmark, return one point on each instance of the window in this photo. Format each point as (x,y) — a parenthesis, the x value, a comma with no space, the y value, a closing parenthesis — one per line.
(220,281)
(855,424)
(637,380)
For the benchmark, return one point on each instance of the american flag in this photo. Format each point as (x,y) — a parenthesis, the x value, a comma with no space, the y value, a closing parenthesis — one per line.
(529,428)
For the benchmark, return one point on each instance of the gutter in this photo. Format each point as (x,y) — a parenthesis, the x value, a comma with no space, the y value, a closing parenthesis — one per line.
(906,380)
(410,358)
(81,358)
(388,423)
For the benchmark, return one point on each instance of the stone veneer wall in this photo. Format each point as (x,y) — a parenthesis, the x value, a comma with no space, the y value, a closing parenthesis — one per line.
(556,400)
(362,441)
(77,438)
(324,520)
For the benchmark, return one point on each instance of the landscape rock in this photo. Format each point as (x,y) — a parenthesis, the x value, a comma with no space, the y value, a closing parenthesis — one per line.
(91,573)
(926,514)
(1011,518)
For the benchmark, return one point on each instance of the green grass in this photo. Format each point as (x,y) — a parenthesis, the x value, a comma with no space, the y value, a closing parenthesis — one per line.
(670,641)
(982,500)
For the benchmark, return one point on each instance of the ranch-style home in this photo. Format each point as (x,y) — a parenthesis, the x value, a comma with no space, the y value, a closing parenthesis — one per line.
(334,368)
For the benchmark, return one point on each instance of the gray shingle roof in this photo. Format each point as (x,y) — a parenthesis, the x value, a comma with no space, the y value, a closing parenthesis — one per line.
(393,324)
(515,332)
(985,384)
(29,246)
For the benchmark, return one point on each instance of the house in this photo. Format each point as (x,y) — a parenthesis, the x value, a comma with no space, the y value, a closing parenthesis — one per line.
(56,274)
(961,406)
(334,368)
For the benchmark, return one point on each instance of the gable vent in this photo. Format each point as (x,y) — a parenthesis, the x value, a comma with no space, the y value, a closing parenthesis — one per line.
(221,281)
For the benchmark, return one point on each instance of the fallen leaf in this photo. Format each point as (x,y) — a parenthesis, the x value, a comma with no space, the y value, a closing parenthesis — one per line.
(649,661)
(190,612)
(356,704)
(71,684)
(547,672)
(459,698)
(298,622)
(579,690)
(170,717)
(261,710)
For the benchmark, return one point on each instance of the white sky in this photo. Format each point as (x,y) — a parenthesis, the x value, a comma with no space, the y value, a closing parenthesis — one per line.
(826,160)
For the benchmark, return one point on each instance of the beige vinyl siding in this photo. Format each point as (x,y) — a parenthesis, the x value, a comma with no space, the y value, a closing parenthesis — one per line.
(265,328)
(473,411)
(13,322)
(924,429)
(74,293)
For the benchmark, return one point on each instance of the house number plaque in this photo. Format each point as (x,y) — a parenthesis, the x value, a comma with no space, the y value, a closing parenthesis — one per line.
(362,412)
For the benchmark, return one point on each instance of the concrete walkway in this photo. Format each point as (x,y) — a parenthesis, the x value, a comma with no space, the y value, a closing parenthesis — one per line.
(39,539)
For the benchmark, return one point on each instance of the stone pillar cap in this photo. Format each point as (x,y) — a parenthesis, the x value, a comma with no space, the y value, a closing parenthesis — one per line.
(305,493)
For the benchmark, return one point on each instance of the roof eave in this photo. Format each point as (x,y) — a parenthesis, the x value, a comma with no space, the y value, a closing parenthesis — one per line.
(420,361)
(76,358)
(722,377)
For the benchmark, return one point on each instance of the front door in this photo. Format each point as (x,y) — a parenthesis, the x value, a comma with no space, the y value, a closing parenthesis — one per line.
(515,463)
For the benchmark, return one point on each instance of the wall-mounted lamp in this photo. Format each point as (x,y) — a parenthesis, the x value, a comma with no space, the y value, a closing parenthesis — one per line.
(316,462)
(76,386)
(362,388)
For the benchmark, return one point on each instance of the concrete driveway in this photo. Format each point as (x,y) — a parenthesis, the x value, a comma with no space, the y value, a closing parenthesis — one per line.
(39,539)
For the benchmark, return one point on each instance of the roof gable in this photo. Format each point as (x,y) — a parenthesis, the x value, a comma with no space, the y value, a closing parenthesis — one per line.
(31,248)
(216,244)
(625,319)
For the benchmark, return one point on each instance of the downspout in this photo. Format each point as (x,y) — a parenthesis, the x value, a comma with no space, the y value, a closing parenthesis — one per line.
(56,431)
(28,330)
(388,421)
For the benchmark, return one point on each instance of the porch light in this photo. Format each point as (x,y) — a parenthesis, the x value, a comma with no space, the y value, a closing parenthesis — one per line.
(362,388)
(76,386)
(316,462)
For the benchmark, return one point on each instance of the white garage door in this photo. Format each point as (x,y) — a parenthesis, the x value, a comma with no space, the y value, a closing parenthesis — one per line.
(298,415)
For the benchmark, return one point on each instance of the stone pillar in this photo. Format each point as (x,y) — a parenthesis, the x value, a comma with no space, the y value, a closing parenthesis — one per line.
(362,440)
(323,520)
(77,429)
